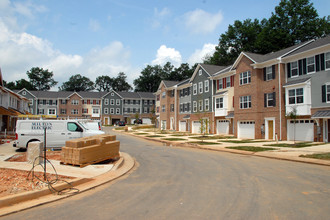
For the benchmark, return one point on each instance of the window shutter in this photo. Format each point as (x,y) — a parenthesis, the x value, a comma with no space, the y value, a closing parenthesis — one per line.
(304,66)
(317,62)
(273,71)
(322,61)
(289,70)
(264,73)
(87,110)
(265,100)
(274,96)
(232,81)
(300,63)
(224,83)
(324,97)
(233,101)
(217,84)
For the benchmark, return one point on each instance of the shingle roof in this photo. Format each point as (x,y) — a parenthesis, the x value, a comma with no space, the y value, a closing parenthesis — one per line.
(90,94)
(129,95)
(230,115)
(186,81)
(298,81)
(224,70)
(212,69)
(146,95)
(321,114)
(170,83)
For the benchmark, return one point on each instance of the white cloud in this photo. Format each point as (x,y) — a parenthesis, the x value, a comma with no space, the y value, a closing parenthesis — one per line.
(202,22)
(165,54)
(199,54)
(94,25)
(159,17)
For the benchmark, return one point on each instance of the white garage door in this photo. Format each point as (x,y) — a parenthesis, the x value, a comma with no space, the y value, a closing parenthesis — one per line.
(146,121)
(304,130)
(182,126)
(245,130)
(196,127)
(222,127)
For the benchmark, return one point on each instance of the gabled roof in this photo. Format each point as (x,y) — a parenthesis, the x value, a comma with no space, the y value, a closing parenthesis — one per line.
(146,95)
(111,92)
(24,89)
(168,83)
(225,70)
(208,68)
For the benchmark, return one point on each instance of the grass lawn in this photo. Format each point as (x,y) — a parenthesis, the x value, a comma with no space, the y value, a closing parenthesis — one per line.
(296,145)
(250,148)
(324,156)
(203,143)
(174,139)
(141,133)
(154,136)
(241,141)
(120,128)
(211,137)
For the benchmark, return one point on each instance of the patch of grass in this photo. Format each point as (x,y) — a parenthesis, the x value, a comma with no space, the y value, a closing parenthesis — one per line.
(154,136)
(174,139)
(204,143)
(178,135)
(141,133)
(237,141)
(296,145)
(251,148)
(120,128)
(323,156)
(211,137)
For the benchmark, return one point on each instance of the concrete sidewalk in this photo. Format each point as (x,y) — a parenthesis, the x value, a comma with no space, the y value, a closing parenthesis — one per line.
(86,178)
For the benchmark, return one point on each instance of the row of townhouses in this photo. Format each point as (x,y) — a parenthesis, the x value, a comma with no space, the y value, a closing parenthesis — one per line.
(109,107)
(11,105)
(253,97)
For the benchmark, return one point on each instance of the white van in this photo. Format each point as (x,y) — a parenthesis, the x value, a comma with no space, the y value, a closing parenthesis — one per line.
(57,132)
(91,124)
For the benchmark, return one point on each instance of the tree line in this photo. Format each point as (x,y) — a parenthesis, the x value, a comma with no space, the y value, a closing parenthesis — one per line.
(292,22)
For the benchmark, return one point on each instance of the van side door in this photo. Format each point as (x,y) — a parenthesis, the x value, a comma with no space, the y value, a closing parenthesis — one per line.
(74,131)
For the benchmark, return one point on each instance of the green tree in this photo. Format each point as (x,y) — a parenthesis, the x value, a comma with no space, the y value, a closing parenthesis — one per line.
(181,73)
(104,83)
(77,83)
(19,84)
(149,79)
(120,84)
(40,79)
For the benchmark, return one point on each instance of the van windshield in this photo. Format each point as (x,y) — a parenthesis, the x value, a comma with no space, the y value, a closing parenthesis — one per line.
(81,124)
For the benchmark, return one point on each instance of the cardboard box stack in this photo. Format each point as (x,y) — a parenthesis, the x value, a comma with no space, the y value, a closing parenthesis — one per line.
(89,150)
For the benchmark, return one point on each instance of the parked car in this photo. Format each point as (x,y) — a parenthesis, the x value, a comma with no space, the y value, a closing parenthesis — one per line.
(121,123)
(138,121)
(57,132)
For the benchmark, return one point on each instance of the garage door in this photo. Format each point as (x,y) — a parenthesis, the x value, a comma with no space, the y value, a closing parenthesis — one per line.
(146,121)
(246,130)
(304,130)
(196,127)
(222,127)
(182,126)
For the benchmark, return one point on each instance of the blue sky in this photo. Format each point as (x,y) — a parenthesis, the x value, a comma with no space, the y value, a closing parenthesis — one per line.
(105,37)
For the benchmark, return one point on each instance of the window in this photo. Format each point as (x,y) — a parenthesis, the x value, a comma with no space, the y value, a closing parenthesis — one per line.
(270,99)
(181,107)
(245,102)
(195,89)
(327,60)
(219,103)
(63,101)
(228,82)
(97,102)
(117,111)
(245,78)
(163,94)
(172,107)
(145,109)
(75,102)
(112,111)
(206,104)
(163,108)
(117,101)
(41,111)
(30,101)
(96,111)
(172,93)
(85,110)
(200,72)
(112,94)
(134,102)
(296,96)
(51,111)
(294,69)
(106,101)
(195,106)
(145,102)
(84,102)
(24,93)
(328,93)
(158,97)
(220,84)
(200,87)
(206,85)
(310,64)
(74,127)
(200,105)
(74,112)
(112,101)
(63,111)
(106,111)
(269,73)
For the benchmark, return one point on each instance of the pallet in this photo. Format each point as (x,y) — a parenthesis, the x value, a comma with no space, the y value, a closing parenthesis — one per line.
(89,163)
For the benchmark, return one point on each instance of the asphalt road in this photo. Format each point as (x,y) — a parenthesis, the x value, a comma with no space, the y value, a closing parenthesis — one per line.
(181,183)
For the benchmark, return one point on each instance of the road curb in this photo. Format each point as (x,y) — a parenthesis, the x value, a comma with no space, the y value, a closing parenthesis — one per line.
(24,201)
(258,154)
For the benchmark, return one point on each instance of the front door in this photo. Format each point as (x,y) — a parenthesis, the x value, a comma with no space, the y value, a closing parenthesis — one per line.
(106,121)
(270,130)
